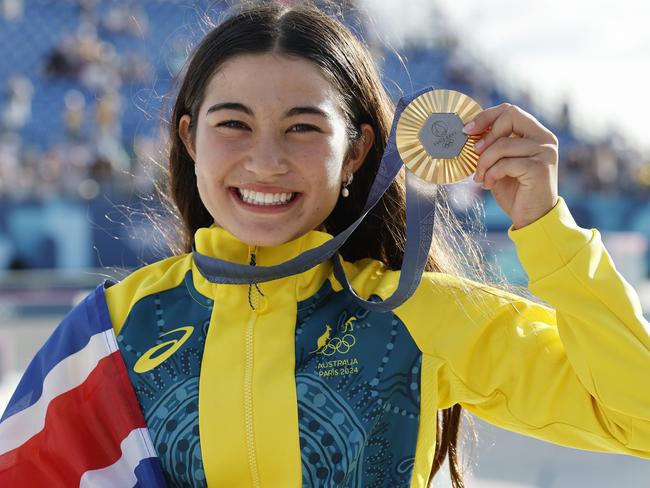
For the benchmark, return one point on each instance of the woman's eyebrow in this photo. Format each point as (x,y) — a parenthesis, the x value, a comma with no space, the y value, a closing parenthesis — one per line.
(307,110)
(229,106)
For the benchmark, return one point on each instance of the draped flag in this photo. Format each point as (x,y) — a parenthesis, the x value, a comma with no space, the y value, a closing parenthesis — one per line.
(74,419)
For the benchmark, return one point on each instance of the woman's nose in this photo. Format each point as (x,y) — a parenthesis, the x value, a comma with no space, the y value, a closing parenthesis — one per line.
(267,157)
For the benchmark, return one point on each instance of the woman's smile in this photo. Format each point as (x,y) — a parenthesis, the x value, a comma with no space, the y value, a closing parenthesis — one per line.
(264,200)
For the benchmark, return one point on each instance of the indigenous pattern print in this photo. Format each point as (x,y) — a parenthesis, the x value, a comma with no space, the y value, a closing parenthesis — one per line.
(358,388)
(162,344)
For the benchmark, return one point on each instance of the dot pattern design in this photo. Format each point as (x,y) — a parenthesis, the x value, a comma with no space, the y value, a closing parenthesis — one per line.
(169,393)
(356,430)
(173,423)
(330,434)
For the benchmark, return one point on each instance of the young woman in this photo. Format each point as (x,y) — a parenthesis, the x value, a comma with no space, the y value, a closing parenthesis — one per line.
(276,135)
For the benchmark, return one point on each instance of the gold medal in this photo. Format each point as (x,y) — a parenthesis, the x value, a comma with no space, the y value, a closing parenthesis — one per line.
(430,138)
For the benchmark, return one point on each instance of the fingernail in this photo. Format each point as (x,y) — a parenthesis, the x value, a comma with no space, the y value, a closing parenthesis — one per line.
(479,145)
(469,127)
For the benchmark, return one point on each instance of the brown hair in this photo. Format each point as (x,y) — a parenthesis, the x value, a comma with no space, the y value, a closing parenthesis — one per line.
(309,33)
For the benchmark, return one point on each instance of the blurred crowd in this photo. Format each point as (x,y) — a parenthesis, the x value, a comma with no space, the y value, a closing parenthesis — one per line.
(87,156)
(91,151)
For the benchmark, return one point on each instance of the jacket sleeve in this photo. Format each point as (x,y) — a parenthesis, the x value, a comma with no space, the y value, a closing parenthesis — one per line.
(576,373)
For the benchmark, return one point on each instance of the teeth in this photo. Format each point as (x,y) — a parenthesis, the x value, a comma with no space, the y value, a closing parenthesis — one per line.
(258,198)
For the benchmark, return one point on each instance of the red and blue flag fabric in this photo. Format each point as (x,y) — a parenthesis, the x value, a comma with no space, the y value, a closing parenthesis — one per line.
(74,419)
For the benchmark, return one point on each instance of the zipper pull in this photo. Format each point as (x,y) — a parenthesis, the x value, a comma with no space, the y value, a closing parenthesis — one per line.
(253,298)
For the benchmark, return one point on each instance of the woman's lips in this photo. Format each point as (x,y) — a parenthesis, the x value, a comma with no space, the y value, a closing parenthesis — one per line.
(265,207)
(265,188)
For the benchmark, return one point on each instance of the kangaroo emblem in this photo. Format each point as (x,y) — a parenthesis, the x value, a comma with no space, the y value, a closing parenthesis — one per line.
(322,340)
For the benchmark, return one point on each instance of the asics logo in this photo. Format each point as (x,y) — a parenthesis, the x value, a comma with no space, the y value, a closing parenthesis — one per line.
(154,357)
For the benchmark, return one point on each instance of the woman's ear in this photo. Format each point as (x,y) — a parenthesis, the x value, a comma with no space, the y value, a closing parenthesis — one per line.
(360,149)
(186,135)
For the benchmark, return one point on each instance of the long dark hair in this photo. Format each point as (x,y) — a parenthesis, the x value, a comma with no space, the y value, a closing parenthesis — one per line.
(309,33)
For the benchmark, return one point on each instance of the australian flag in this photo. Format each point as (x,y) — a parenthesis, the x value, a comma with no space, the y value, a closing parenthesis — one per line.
(74,419)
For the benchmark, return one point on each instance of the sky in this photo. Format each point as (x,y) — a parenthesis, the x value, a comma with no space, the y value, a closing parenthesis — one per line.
(595,54)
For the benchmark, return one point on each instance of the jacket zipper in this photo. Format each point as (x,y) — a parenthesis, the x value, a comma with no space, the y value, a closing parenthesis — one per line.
(248,386)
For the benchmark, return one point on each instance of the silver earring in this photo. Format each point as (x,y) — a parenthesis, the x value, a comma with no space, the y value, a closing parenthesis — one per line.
(344,191)
(196,171)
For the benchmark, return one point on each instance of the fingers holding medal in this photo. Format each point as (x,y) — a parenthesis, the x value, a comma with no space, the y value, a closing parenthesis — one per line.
(518,159)
(444,136)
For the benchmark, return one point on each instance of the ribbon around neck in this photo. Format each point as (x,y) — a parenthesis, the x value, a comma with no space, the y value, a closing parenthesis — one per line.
(420,215)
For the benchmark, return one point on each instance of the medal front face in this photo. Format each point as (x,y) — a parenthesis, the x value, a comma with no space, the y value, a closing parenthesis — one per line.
(430,138)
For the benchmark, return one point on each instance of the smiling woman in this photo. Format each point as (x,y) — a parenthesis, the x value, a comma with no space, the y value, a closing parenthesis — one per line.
(177,376)
(269,144)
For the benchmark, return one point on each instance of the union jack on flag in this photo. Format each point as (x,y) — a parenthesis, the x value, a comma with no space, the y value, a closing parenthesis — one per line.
(74,419)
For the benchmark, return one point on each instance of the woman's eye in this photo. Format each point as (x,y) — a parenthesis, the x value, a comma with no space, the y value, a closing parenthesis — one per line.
(303,128)
(232,124)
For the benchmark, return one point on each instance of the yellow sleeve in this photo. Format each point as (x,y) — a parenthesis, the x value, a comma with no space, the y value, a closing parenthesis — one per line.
(576,374)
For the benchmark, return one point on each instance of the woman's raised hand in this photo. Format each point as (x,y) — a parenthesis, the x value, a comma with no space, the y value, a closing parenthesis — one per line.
(518,161)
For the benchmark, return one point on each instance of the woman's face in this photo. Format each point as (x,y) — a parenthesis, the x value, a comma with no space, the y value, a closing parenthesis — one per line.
(269,146)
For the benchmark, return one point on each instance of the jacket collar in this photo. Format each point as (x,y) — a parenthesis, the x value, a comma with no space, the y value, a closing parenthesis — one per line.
(218,242)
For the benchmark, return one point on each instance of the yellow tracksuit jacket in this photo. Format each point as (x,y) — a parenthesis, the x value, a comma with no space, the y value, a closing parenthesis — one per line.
(291,383)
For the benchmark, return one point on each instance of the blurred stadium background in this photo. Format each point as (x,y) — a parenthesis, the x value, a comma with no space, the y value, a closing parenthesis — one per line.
(82,83)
